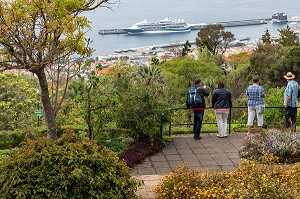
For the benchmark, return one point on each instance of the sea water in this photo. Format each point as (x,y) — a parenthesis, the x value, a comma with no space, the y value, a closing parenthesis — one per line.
(124,13)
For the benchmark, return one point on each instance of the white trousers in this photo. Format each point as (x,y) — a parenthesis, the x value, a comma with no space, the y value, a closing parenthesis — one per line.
(252,111)
(221,116)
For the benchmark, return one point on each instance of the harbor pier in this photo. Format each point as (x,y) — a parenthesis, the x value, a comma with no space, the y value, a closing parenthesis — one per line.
(200,25)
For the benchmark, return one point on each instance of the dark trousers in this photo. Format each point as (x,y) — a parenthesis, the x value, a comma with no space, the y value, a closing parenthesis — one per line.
(290,116)
(198,118)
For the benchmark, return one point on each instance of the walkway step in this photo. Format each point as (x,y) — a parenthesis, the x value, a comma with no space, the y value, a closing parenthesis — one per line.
(208,153)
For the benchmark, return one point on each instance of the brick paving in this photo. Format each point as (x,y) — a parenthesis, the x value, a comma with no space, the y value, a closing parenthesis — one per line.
(210,153)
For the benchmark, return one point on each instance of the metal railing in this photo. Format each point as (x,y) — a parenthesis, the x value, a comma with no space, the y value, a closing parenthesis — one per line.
(229,122)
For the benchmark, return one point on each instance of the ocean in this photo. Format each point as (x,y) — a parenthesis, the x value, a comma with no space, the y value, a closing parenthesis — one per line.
(124,13)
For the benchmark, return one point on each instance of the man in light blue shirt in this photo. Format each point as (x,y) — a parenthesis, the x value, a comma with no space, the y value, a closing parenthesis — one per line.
(290,101)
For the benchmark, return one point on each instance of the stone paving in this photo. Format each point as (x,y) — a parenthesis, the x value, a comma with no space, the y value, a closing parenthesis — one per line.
(209,153)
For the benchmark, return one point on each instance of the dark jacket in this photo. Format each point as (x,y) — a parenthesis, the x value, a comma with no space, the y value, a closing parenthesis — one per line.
(221,99)
(203,92)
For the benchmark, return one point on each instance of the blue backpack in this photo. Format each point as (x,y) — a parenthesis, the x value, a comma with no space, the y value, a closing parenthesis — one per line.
(194,97)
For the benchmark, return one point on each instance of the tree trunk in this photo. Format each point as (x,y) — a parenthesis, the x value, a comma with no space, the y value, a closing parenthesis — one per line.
(49,114)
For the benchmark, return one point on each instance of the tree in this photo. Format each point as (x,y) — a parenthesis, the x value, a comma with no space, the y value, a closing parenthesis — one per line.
(289,62)
(35,34)
(140,108)
(287,37)
(180,74)
(264,60)
(186,48)
(215,38)
(266,38)
(149,74)
(94,95)
(19,97)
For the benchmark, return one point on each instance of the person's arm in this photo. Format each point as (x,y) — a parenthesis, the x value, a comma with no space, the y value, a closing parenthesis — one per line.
(187,101)
(205,91)
(287,101)
(288,96)
(264,94)
(213,100)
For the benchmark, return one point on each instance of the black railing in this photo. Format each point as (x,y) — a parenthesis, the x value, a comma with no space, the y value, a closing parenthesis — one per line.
(229,123)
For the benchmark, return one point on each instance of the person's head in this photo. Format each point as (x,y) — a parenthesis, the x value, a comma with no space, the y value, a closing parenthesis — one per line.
(221,85)
(289,76)
(197,81)
(255,79)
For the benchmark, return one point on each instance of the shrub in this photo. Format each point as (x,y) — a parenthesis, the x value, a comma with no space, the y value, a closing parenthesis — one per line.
(284,145)
(250,180)
(5,152)
(139,151)
(11,139)
(117,145)
(69,167)
(140,109)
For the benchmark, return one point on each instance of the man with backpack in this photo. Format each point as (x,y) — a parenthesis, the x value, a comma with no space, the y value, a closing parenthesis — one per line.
(195,101)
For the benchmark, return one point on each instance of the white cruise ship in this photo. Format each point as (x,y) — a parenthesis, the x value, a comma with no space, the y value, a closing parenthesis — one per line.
(163,26)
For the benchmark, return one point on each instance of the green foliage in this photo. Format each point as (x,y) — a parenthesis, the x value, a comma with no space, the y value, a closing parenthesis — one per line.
(5,153)
(117,145)
(291,62)
(60,35)
(11,139)
(70,167)
(274,98)
(180,74)
(19,97)
(140,109)
(186,48)
(287,37)
(215,38)
(94,97)
(266,38)
(264,63)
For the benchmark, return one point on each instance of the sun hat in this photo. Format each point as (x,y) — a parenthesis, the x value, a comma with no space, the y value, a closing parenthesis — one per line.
(289,75)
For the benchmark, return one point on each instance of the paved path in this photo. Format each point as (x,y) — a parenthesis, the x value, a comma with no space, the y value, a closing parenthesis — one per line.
(210,153)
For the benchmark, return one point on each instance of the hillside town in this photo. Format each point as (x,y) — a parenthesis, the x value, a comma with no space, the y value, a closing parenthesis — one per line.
(142,56)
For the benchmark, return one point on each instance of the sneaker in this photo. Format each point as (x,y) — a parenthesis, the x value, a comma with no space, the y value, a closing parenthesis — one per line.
(198,138)
(219,136)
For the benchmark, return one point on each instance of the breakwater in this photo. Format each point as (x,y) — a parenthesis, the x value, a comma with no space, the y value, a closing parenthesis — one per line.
(199,26)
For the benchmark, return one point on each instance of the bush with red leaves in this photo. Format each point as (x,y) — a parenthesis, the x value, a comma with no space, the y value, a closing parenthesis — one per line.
(139,151)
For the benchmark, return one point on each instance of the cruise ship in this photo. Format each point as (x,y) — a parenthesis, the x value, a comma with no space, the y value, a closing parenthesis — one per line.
(162,26)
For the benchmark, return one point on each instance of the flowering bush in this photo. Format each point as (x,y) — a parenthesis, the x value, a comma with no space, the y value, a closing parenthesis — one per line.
(284,145)
(250,180)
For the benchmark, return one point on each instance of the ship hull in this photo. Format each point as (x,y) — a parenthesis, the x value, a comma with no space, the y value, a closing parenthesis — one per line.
(141,31)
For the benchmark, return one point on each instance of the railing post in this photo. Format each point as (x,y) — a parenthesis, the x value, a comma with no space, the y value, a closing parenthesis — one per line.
(161,124)
(170,123)
(229,121)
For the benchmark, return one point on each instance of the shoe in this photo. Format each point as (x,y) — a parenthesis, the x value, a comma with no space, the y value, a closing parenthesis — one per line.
(198,138)
(219,136)
(225,136)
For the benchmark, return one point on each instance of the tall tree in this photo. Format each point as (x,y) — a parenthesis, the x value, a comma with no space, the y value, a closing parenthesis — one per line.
(186,48)
(34,34)
(215,38)
(287,37)
(266,38)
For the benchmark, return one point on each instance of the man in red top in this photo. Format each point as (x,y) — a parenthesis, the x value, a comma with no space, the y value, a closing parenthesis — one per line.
(198,110)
